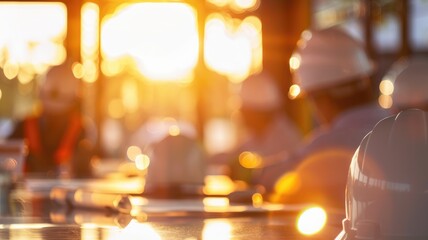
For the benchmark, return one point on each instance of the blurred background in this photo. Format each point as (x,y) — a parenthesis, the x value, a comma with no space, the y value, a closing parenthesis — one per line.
(145,63)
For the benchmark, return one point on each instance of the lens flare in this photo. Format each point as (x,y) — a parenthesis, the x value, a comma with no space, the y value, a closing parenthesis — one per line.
(311,221)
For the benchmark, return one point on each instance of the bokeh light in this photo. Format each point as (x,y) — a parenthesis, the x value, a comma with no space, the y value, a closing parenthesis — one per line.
(311,221)
(250,160)
(385,101)
(294,91)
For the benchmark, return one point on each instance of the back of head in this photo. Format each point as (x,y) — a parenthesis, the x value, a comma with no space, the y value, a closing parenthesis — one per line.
(387,182)
(409,77)
(59,90)
(177,163)
(328,57)
(260,92)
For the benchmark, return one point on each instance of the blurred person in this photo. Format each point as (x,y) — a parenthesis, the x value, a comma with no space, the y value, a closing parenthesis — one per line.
(6,127)
(270,134)
(407,78)
(387,181)
(334,72)
(176,165)
(60,139)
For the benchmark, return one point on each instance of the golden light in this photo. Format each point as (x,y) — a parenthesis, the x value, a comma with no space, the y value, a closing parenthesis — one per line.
(385,101)
(233,47)
(174,130)
(288,183)
(294,91)
(89,232)
(237,5)
(111,68)
(218,184)
(130,96)
(257,199)
(311,221)
(90,41)
(216,204)
(294,62)
(77,69)
(160,38)
(386,87)
(115,108)
(32,37)
(28,226)
(250,160)
(78,195)
(240,6)
(25,77)
(133,231)
(10,70)
(142,161)
(246,4)
(1,94)
(215,201)
(219,3)
(217,229)
(220,135)
(132,152)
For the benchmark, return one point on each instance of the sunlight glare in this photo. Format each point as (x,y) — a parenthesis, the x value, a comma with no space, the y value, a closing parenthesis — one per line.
(232,47)
(133,231)
(218,184)
(311,221)
(217,230)
(237,5)
(161,38)
(34,40)
(90,41)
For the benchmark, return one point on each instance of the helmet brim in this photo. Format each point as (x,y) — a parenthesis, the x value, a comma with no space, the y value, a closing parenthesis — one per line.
(342,236)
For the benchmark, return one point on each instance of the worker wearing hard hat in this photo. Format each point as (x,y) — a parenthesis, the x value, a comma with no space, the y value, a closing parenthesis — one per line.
(386,190)
(333,70)
(270,135)
(406,84)
(60,140)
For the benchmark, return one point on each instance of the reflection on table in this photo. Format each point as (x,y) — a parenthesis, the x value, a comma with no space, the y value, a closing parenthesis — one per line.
(86,211)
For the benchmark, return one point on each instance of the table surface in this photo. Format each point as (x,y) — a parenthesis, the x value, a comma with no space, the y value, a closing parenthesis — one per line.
(36,217)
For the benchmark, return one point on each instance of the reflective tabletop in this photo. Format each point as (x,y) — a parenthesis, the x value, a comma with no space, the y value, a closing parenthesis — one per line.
(37,215)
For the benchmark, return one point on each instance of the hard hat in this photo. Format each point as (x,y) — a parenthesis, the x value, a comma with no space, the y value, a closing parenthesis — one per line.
(59,89)
(260,92)
(386,196)
(175,161)
(410,82)
(328,57)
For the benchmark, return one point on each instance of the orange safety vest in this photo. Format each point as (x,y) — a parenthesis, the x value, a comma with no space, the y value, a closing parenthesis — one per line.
(66,145)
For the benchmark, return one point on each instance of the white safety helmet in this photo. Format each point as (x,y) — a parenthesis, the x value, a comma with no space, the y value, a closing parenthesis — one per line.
(328,57)
(60,89)
(409,78)
(177,163)
(386,194)
(260,92)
